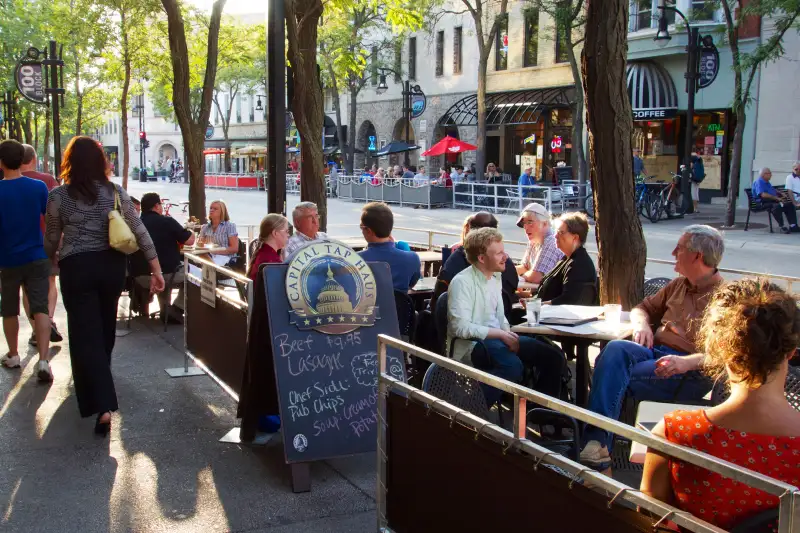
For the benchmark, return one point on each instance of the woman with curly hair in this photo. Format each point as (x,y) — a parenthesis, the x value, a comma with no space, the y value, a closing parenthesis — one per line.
(750,331)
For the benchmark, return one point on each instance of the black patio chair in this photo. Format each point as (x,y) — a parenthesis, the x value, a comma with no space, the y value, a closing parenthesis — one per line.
(763,522)
(653,285)
(754,206)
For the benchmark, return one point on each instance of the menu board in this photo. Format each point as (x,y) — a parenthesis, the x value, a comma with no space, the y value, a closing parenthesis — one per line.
(326,310)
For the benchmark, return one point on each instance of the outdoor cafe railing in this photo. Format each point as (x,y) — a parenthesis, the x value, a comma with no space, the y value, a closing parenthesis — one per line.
(517,441)
(501,197)
(220,180)
(394,191)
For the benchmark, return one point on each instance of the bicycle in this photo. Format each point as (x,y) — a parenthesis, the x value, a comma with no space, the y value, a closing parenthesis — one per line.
(646,197)
(669,200)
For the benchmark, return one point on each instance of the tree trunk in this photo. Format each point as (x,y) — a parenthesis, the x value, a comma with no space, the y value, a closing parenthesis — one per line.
(36,132)
(47,114)
(351,134)
(27,129)
(480,155)
(123,101)
(736,167)
(78,98)
(302,18)
(578,155)
(620,241)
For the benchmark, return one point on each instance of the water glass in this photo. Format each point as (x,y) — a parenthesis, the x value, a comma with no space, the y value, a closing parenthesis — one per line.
(533,310)
(613,313)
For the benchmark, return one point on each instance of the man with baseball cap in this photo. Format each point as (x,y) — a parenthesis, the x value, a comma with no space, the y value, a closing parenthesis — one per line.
(526,180)
(542,253)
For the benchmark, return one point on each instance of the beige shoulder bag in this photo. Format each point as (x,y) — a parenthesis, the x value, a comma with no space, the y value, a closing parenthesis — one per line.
(120,236)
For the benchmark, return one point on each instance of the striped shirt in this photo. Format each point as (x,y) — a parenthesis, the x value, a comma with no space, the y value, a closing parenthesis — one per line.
(221,236)
(298,240)
(542,257)
(85,226)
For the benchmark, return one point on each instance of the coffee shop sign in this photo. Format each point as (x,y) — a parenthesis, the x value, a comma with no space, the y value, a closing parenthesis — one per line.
(647,114)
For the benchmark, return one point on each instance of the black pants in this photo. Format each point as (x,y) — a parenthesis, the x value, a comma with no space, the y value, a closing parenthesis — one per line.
(91,284)
(778,211)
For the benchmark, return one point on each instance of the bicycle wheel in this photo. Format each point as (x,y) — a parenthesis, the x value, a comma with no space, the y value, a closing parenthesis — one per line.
(655,206)
(589,206)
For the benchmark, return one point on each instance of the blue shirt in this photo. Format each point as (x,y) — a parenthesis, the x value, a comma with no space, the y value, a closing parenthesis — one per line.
(762,185)
(525,180)
(23,201)
(405,266)
(638,165)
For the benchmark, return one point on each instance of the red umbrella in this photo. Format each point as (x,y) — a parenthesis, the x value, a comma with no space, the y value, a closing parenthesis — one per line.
(449,145)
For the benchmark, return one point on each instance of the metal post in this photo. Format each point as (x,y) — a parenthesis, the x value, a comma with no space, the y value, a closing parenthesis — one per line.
(276,109)
(383,391)
(54,62)
(407,112)
(691,89)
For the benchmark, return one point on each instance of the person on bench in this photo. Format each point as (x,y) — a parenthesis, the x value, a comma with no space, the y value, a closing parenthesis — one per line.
(749,333)
(778,204)
(652,367)
(475,312)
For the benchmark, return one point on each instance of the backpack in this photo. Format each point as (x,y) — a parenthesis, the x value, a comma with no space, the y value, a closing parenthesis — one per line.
(698,171)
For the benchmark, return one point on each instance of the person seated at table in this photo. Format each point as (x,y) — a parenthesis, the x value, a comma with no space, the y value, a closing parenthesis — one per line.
(219,230)
(475,312)
(456,174)
(379,177)
(778,204)
(492,175)
(137,205)
(273,235)
(750,331)
(377,222)
(408,172)
(651,367)
(526,180)
(305,218)
(458,261)
(444,179)
(542,253)
(168,235)
(420,178)
(573,279)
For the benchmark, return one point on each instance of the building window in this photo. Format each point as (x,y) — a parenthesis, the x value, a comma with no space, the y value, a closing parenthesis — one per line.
(531,37)
(562,48)
(398,60)
(501,44)
(251,100)
(440,53)
(703,10)
(373,68)
(238,108)
(457,35)
(412,58)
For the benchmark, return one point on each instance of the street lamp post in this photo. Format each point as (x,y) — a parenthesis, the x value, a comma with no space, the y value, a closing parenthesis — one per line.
(8,114)
(408,92)
(692,64)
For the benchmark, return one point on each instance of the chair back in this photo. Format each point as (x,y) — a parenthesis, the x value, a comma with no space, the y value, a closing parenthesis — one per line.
(440,319)
(458,390)
(405,314)
(653,285)
(763,522)
(750,199)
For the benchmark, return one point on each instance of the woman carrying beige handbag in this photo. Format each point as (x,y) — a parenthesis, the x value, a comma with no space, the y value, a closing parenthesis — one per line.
(92,270)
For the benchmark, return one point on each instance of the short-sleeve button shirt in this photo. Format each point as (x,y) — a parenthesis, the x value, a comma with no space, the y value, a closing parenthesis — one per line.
(222,235)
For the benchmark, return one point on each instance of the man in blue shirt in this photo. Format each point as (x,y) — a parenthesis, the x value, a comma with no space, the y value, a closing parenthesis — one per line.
(23,262)
(638,163)
(526,180)
(776,204)
(377,222)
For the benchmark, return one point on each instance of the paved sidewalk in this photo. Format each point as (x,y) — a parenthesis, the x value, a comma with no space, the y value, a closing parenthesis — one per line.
(162,469)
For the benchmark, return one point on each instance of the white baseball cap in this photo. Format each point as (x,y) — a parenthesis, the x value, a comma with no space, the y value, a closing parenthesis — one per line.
(532,208)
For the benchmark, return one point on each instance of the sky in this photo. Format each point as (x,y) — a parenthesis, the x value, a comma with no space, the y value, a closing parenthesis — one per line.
(235,7)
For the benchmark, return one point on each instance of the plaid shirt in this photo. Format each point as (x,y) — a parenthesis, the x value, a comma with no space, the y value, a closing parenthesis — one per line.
(221,237)
(298,240)
(542,257)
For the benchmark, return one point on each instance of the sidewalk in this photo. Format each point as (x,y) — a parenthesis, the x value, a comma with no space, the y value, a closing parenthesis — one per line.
(162,469)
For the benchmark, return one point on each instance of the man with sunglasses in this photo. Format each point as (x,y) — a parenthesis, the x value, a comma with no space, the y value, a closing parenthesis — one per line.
(653,366)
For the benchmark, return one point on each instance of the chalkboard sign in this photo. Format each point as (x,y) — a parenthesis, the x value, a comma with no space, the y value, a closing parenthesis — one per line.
(326,310)
(563,173)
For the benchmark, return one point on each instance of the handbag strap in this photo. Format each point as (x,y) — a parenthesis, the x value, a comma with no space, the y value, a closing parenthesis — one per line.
(117,201)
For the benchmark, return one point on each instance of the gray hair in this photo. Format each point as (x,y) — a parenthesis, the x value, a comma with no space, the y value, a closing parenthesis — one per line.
(297,212)
(706,241)
(761,172)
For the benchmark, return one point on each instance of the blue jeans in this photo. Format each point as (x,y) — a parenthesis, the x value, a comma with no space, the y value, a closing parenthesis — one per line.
(500,361)
(626,366)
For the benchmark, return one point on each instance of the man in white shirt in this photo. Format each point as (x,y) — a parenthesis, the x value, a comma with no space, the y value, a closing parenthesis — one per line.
(793,184)
(456,175)
(475,312)
(421,178)
(306,228)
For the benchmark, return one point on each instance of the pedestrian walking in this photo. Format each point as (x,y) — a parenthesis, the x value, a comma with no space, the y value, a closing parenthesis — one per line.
(92,273)
(23,262)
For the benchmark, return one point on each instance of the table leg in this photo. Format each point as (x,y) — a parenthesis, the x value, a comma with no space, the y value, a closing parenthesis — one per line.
(581,374)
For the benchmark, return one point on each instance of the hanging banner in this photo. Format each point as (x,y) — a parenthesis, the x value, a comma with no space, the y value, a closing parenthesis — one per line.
(709,66)
(29,76)
(418,104)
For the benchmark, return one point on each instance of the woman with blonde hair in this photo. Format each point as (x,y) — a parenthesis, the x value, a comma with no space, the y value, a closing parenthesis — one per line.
(272,238)
(750,331)
(220,230)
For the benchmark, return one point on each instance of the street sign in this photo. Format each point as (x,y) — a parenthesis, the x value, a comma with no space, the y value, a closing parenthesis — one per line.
(29,76)
(209,130)
(418,104)
(709,66)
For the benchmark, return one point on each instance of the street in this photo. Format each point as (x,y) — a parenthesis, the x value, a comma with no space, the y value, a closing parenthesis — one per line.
(755,250)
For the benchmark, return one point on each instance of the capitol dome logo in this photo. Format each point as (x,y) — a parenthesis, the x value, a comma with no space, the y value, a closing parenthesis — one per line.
(331,289)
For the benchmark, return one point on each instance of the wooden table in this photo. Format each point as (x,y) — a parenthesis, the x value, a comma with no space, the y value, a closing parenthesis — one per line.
(422,291)
(200,250)
(527,286)
(431,262)
(583,336)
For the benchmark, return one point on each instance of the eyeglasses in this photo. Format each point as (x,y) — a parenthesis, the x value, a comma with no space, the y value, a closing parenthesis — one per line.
(562,232)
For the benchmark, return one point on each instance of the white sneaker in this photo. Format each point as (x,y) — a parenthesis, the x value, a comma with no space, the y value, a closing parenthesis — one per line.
(595,453)
(10,361)
(43,372)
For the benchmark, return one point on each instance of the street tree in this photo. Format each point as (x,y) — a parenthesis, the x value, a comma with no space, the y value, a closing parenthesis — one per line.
(192,113)
(569,19)
(620,241)
(783,16)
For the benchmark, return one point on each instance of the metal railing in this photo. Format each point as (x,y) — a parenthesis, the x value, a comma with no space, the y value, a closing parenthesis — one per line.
(394,191)
(223,180)
(788,495)
(502,197)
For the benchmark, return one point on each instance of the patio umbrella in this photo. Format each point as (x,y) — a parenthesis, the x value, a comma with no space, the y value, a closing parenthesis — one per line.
(330,150)
(449,145)
(252,149)
(395,147)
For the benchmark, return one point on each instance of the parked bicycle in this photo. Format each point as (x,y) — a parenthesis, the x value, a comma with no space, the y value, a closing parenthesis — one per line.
(669,200)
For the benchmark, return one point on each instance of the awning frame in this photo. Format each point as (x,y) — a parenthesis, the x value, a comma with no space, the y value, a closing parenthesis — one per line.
(509,108)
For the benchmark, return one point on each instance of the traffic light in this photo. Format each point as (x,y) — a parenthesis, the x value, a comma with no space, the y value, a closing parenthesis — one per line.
(143,140)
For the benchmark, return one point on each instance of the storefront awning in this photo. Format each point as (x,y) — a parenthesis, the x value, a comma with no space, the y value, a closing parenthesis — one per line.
(513,107)
(651,91)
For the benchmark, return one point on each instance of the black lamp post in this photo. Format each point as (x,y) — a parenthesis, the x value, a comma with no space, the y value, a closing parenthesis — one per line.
(408,92)
(259,105)
(693,48)
(8,114)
